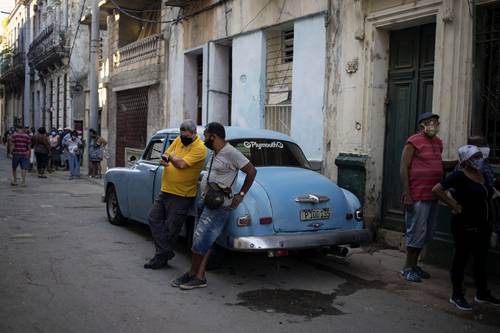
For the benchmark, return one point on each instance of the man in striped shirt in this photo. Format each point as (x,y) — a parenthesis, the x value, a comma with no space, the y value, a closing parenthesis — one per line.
(421,168)
(20,142)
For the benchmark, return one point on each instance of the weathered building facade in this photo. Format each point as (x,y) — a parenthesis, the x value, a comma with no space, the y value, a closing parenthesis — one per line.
(12,67)
(45,44)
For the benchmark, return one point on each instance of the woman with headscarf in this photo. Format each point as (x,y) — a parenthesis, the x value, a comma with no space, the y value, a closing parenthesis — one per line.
(470,226)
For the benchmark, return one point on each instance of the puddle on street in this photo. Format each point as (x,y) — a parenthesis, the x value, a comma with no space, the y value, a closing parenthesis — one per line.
(293,301)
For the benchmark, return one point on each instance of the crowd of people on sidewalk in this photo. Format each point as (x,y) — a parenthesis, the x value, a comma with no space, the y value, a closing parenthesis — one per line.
(469,191)
(60,149)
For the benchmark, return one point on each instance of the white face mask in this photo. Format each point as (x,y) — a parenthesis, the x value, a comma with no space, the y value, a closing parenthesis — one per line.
(485,151)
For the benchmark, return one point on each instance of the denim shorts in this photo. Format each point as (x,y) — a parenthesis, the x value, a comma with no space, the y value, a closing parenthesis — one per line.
(22,160)
(208,228)
(421,221)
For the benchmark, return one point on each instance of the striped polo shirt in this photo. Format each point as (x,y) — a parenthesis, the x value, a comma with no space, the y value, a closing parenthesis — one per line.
(426,169)
(20,143)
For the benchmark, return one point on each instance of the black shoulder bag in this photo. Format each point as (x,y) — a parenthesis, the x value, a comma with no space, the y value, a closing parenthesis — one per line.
(214,194)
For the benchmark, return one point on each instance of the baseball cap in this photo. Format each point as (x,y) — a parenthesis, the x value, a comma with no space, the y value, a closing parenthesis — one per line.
(426,115)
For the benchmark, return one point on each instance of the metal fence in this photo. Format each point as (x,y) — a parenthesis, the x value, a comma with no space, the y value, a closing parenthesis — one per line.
(278,118)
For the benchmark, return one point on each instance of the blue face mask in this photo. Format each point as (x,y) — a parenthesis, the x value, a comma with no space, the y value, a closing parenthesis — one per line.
(477,164)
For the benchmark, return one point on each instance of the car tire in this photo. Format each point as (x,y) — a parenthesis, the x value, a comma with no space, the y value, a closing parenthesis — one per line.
(113,211)
(216,259)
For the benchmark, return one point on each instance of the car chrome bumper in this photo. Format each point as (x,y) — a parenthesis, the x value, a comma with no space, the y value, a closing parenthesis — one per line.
(300,241)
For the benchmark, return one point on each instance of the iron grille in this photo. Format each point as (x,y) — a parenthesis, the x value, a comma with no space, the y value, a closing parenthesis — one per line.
(131,121)
(488,73)
(278,118)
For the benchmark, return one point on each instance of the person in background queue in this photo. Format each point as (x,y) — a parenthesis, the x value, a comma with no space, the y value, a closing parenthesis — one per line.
(55,151)
(470,225)
(41,146)
(421,168)
(96,153)
(20,153)
(182,162)
(74,145)
(224,168)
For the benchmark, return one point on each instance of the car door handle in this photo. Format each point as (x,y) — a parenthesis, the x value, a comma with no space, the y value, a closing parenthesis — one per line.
(152,171)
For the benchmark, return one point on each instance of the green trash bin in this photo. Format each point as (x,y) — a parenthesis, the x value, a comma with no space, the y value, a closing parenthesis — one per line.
(352,173)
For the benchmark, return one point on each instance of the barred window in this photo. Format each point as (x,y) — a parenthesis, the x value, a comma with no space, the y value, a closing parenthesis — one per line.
(287,38)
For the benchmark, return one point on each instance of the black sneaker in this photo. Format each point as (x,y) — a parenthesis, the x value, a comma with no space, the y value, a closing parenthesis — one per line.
(193,283)
(184,278)
(461,303)
(421,273)
(158,262)
(487,299)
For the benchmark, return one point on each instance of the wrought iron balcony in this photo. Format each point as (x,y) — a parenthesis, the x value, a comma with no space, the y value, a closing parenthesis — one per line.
(12,68)
(49,49)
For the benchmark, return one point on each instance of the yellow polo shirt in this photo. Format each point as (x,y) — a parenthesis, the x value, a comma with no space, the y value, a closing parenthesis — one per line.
(182,182)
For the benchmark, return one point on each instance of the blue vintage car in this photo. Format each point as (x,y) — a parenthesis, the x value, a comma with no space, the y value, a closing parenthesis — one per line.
(289,206)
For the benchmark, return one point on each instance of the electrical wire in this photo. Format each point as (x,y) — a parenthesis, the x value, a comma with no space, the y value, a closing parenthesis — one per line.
(125,12)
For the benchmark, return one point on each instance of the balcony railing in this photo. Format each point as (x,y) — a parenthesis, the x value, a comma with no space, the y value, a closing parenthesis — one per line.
(278,117)
(138,51)
(50,40)
(12,67)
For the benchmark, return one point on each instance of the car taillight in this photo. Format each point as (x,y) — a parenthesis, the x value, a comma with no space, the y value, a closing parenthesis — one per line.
(244,221)
(266,220)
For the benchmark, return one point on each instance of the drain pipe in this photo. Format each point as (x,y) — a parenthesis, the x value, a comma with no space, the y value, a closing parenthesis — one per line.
(208,81)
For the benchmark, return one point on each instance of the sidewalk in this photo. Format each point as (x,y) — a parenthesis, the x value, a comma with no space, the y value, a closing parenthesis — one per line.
(377,267)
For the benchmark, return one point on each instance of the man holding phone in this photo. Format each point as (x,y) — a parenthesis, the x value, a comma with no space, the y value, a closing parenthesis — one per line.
(182,162)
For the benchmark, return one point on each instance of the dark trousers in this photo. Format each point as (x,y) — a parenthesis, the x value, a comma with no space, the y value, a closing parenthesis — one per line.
(166,218)
(470,243)
(41,162)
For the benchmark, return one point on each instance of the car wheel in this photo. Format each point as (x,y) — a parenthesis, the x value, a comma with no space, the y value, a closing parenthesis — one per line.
(216,259)
(113,208)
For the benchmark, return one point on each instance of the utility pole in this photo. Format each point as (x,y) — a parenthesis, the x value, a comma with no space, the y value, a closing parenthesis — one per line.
(94,45)
(27,78)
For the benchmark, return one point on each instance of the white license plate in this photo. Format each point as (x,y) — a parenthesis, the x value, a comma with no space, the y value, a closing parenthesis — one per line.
(315,214)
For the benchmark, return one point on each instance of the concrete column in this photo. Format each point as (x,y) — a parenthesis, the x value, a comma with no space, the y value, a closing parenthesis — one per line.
(27,93)
(94,44)
(308,85)
(218,89)
(249,71)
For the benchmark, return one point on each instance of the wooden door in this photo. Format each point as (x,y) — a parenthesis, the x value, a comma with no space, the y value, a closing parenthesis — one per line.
(411,71)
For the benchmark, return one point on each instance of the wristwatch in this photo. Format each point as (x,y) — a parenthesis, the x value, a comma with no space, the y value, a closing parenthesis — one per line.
(242,193)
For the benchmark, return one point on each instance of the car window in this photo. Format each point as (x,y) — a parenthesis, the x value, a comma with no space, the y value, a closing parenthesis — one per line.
(155,150)
(270,152)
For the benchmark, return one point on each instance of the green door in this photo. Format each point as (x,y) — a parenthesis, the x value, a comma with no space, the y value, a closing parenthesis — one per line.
(411,71)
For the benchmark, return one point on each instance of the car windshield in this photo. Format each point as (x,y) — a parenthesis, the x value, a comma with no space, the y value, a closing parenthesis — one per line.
(271,152)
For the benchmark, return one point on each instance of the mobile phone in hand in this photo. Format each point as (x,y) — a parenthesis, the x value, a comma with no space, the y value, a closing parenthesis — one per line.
(164,158)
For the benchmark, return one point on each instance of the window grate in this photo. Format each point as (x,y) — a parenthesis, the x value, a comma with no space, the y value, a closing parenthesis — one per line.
(488,74)
(287,38)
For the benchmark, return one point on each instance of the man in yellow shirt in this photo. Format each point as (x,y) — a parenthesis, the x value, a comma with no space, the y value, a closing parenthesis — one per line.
(182,162)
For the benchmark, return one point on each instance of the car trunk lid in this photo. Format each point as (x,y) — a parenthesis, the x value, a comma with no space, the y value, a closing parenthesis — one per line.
(303,200)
